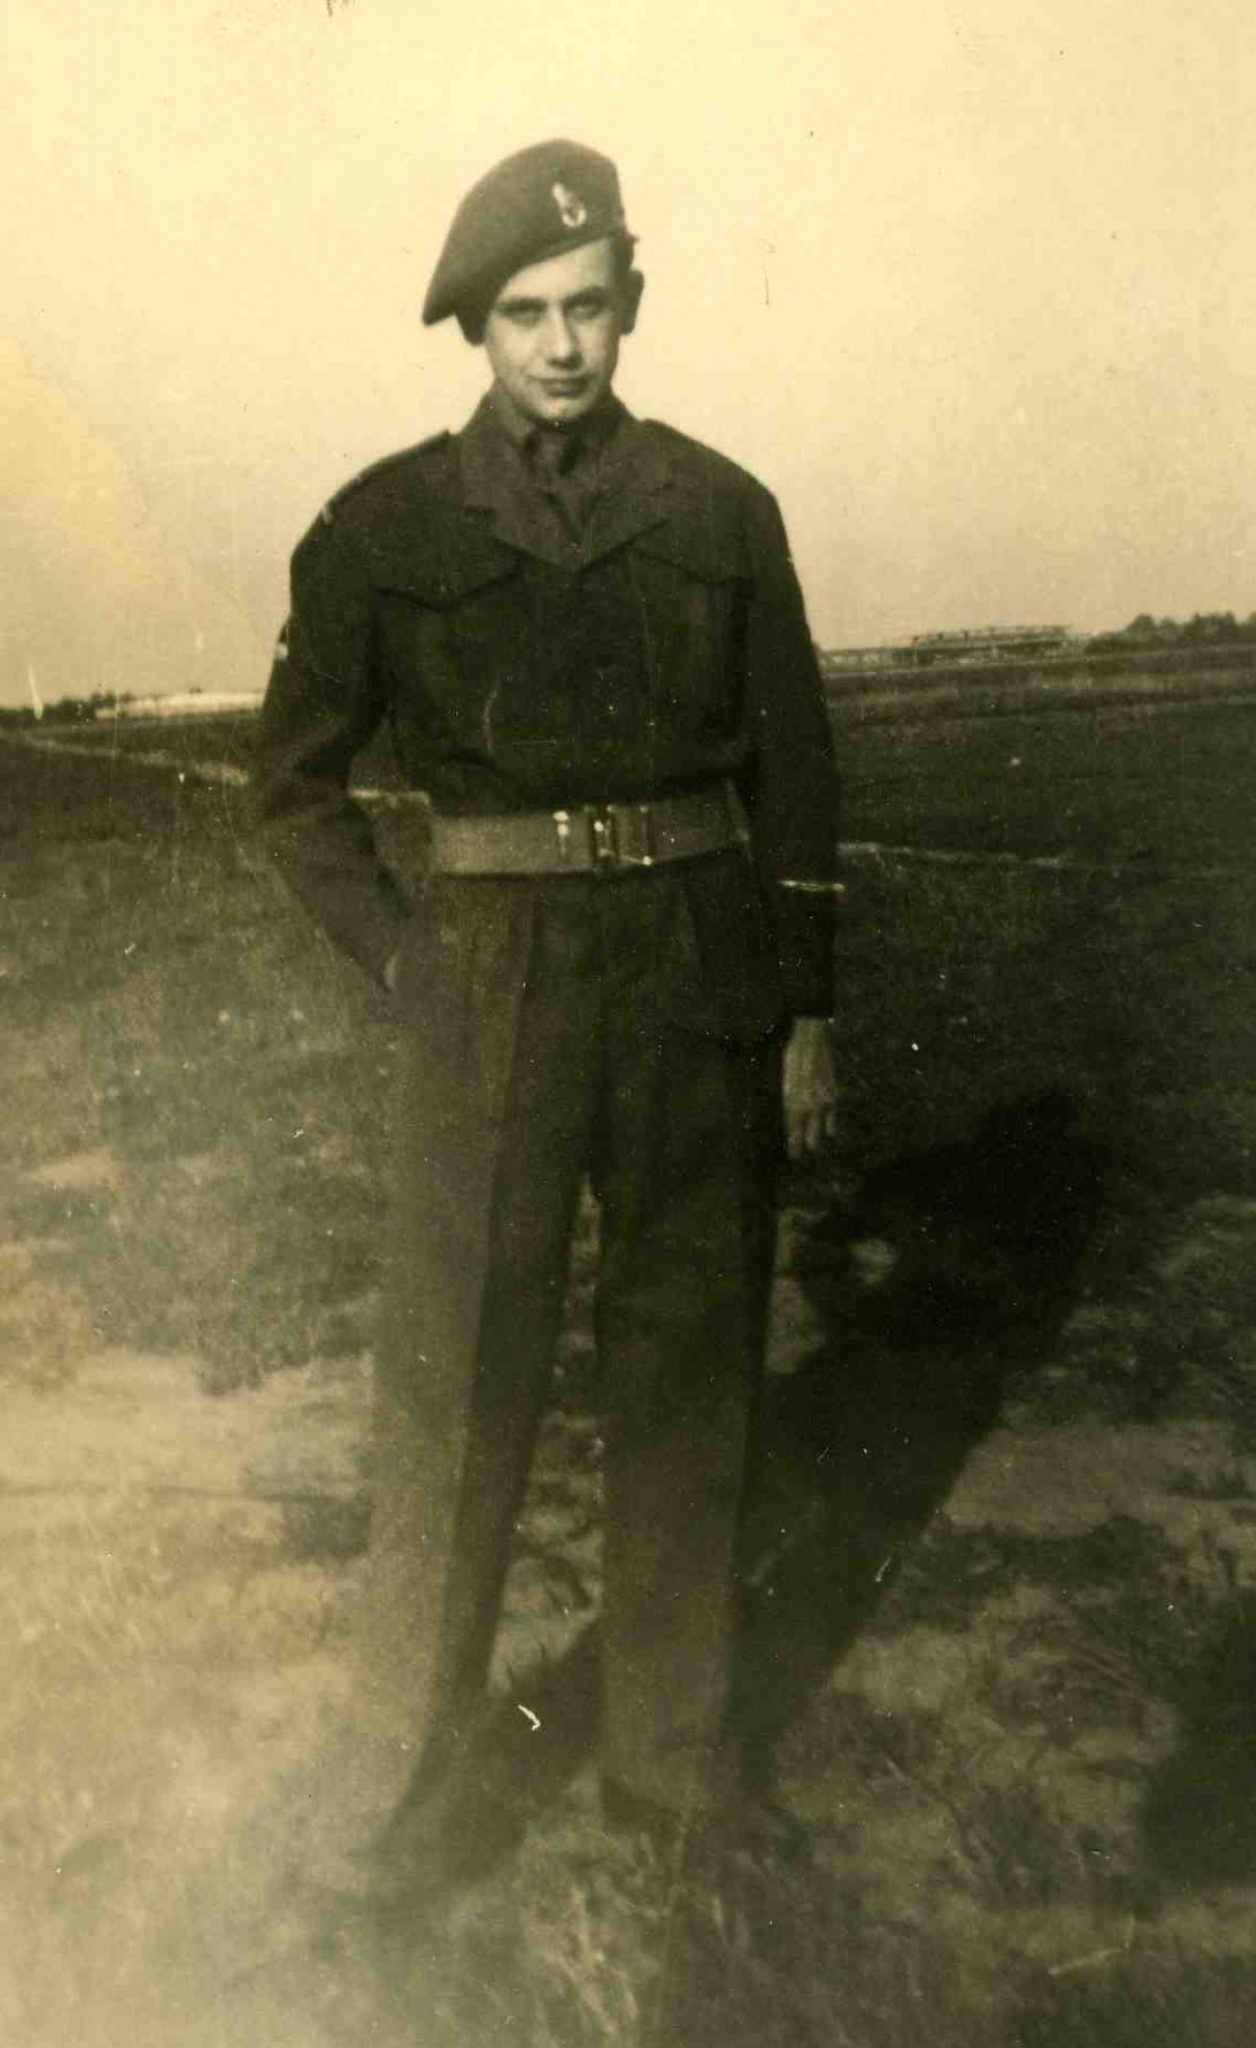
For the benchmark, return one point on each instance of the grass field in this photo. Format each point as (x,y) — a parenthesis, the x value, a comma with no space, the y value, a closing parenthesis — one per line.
(1003,1631)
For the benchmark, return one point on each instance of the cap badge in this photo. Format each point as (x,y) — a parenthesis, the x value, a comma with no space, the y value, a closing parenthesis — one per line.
(572,210)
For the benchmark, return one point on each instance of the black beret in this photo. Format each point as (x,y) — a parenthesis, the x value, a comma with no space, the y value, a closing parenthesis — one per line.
(552,197)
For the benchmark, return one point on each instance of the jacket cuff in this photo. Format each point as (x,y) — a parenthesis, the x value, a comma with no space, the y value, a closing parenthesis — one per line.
(806,926)
(365,914)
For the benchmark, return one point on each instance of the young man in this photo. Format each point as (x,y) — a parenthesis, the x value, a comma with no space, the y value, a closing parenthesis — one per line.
(587,635)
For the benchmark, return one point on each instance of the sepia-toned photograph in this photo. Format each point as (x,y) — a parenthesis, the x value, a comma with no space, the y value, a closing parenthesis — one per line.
(628,1025)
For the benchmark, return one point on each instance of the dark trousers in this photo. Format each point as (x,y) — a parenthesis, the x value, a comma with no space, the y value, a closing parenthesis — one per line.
(546,1042)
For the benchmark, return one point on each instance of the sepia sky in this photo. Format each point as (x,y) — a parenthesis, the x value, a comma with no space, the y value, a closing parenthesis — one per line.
(969,283)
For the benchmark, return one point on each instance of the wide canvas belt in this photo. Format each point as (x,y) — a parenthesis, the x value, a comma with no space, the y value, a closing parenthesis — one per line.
(591,838)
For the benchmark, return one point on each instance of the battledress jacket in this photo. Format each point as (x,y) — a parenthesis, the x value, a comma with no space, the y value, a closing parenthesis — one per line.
(519,668)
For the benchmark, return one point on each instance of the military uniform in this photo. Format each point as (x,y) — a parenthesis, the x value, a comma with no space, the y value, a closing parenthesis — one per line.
(607,690)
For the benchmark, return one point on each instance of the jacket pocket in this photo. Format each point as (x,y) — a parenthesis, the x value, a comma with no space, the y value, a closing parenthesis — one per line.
(445,624)
(693,593)
(697,552)
(451,579)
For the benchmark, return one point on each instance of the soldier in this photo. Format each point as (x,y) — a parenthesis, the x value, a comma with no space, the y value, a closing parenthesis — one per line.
(587,637)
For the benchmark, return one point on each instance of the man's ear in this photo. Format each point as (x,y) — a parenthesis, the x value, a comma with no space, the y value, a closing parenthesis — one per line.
(634,285)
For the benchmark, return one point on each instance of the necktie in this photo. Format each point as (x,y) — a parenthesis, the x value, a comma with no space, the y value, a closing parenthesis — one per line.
(559,462)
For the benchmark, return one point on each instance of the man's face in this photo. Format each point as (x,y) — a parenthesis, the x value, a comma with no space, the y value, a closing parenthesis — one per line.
(553,334)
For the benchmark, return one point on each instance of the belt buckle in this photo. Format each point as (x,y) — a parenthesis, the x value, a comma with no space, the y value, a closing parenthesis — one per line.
(600,835)
(610,842)
(622,836)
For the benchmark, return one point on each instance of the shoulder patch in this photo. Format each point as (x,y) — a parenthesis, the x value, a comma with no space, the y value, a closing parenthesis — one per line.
(377,469)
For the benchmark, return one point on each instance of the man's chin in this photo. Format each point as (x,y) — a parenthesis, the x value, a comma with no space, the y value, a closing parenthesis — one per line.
(565,409)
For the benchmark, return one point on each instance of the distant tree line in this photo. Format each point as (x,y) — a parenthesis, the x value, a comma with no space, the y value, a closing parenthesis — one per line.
(1203,629)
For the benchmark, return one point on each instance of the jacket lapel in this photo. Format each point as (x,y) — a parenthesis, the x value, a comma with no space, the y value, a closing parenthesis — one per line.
(635,489)
(633,493)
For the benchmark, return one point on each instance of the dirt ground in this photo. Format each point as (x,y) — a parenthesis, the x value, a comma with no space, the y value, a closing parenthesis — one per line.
(1017,1759)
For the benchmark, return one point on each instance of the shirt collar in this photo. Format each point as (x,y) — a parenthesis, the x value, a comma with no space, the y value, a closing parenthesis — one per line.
(596,432)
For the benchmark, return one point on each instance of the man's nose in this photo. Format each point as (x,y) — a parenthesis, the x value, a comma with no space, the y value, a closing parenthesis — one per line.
(561,342)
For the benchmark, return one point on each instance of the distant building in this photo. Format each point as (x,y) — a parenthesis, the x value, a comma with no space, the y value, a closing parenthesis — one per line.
(966,646)
(989,643)
(183,704)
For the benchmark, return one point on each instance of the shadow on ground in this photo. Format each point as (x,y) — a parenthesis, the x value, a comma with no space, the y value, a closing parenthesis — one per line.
(949,1269)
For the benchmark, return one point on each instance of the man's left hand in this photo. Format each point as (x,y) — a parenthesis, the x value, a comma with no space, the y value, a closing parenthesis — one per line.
(810,1086)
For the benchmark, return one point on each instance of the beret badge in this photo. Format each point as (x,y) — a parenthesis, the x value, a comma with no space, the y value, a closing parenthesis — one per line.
(572,211)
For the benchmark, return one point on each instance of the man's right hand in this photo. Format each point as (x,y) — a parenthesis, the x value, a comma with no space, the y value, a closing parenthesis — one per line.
(810,1086)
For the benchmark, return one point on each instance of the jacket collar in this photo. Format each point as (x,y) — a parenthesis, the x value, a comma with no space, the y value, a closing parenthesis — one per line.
(635,482)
